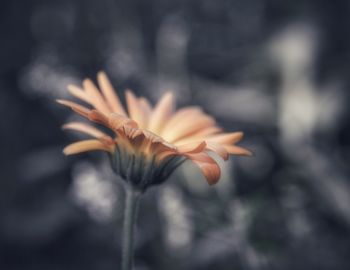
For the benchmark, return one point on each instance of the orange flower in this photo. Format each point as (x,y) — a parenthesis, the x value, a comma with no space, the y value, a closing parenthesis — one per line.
(148,143)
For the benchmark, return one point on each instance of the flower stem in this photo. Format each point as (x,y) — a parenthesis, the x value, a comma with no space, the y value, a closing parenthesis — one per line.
(130,214)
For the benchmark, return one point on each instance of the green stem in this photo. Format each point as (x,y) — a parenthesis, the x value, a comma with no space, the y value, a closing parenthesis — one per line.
(130,214)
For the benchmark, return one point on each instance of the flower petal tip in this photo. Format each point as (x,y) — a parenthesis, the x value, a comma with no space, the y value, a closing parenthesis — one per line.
(129,93)
(250,154)
(226,157)
(246,153)
(239,135)
(213,179)
(169,94)
(101,73)
(64,102)
(60,101)
(71,86)
(87,81)
(66,151)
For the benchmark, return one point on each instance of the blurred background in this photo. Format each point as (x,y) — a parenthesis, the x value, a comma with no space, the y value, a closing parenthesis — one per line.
(277,70)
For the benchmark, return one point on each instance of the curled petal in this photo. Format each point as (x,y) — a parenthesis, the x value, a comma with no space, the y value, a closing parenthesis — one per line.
(85,146)
(182,150)
(156,145)
(138,140)
(159,147)
(110,94)
(208,166)
(218,149)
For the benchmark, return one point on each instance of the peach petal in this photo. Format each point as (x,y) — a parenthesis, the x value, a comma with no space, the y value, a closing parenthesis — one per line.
(110,94)
(226,138)
(85,146)
(182,150)
(75,107)
(161,113)
(188,127)
(165,154)
(85,128)
(192,148)
(145,105)
(78,93)
(208,166)
(116,121)
(95,96)
(218,149)
(177,118)
(135,110)
(146,109)
(200,135)
(139,140)
(236,150)
(98,117)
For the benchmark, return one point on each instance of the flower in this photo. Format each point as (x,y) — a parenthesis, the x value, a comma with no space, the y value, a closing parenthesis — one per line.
(148,143)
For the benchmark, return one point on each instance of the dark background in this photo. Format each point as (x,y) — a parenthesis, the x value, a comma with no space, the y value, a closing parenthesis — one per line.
(277,70)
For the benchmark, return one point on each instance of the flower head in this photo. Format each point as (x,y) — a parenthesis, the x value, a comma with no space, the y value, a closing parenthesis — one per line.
(148,143)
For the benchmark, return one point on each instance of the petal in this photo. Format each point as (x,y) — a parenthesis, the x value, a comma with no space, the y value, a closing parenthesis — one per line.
(95,96)
(192,148)
(85,128)
(145,105)
(78,93)
(157,144)
(161,113)
(199,135)
(85,146)
(218,149)
(75,107)
(138,140)
(183,113)
(135,109)
(146,109)
(110,94)
(189,127)
(178,117)
(182,150)
(116,121)
(208,166)
(226,138)
(98,117)
(147,142)
(236,150)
